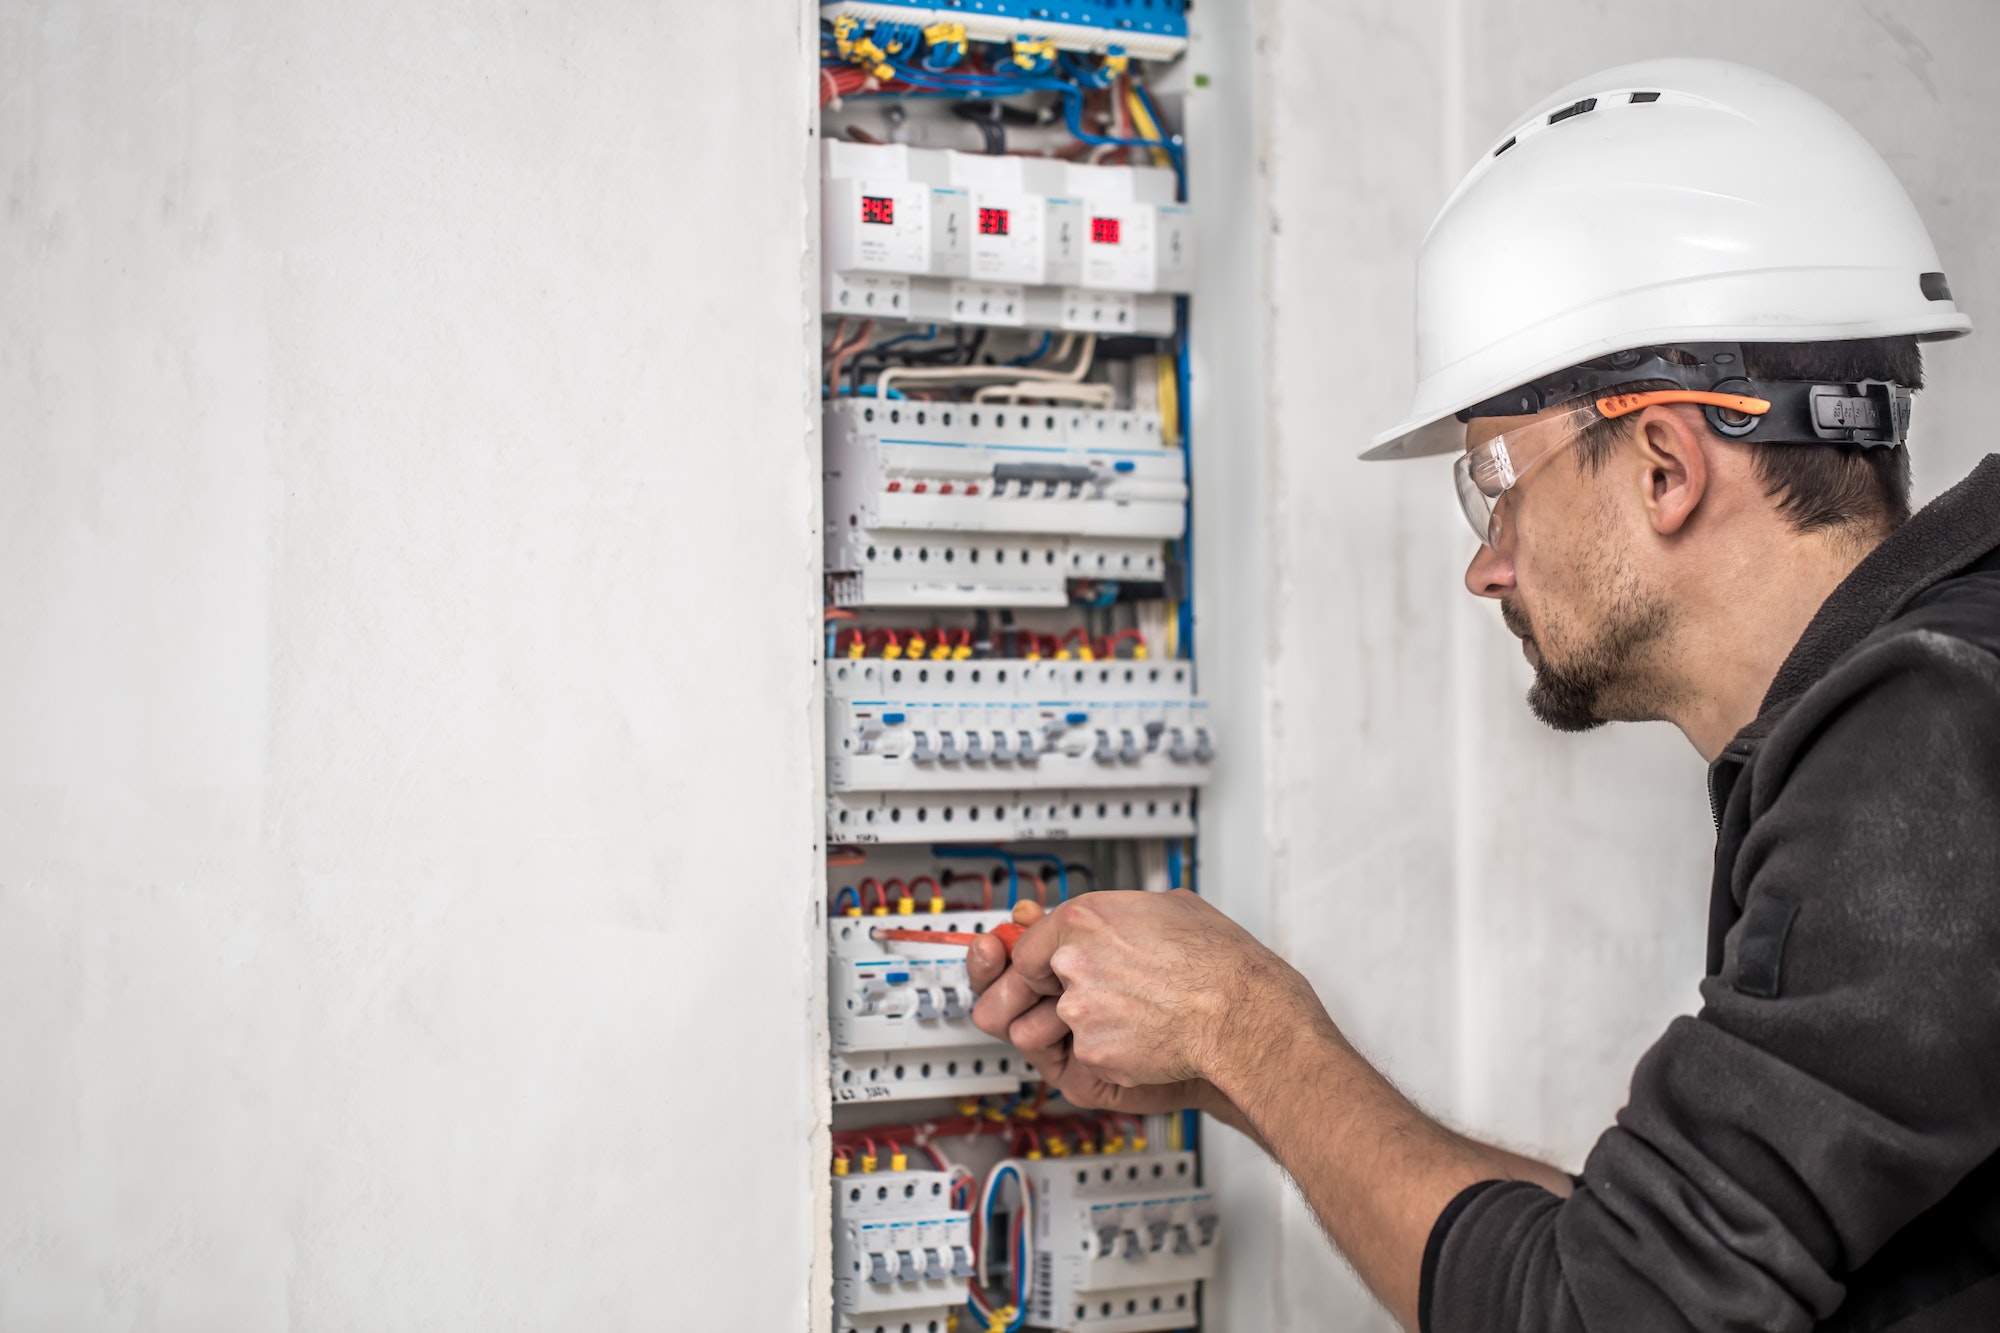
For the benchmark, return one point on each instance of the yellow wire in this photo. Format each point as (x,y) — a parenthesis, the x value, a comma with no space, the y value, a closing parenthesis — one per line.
(1147,129)
(1168,391)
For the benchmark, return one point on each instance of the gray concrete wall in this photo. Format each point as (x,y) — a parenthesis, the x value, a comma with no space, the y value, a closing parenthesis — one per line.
(373,763)
(1504,917)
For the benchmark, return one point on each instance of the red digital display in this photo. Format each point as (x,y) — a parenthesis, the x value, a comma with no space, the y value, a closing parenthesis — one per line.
(1104,231)
(992,222)
(879,209)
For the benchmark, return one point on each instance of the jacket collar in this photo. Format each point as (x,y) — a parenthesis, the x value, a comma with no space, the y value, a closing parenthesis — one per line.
(1941,539)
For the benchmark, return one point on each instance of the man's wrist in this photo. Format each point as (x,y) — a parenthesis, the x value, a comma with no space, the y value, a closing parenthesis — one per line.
(1268,1027)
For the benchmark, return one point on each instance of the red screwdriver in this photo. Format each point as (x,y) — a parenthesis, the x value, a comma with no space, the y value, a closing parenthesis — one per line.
(1006,932)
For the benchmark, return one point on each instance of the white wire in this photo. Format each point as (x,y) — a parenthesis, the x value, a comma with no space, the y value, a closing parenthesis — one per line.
(961,374)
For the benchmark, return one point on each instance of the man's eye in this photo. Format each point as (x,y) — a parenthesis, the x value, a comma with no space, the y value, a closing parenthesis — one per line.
(1488,476)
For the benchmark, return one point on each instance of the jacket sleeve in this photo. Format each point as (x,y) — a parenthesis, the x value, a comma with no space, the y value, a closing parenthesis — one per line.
(1844,1071)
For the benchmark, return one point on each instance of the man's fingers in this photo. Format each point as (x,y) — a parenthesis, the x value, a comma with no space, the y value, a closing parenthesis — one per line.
(1002,1002)
(1040,1026)
(1034,949)
(985,960)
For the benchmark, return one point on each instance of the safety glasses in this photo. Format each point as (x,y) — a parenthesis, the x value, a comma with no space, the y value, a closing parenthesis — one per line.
(1485,472)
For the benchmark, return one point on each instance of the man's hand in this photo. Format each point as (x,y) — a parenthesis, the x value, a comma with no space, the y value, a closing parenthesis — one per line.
(1149,1002)
(1126,1001)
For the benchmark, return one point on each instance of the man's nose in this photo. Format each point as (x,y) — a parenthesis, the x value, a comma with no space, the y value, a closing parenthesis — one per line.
(1490,574)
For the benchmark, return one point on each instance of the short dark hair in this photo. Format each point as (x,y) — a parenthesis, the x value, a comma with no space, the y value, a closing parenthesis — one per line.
(1816,486)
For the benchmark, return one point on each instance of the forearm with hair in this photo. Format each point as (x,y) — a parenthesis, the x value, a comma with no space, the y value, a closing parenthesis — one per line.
(1376,1171)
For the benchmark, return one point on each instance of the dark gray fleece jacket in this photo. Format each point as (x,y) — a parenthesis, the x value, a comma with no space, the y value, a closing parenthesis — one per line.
(1816,1149)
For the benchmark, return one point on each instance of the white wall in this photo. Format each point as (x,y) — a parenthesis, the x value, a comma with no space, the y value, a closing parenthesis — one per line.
(405,638)
(1504,917)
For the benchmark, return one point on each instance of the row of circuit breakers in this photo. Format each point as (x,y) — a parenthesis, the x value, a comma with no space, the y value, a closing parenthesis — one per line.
(970,238)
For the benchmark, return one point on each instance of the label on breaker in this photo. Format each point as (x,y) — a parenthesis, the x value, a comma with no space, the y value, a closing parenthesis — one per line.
(1098,312)
(988,303)
(883,294)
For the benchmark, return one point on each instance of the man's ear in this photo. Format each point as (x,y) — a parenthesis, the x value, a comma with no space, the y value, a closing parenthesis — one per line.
(1675,466)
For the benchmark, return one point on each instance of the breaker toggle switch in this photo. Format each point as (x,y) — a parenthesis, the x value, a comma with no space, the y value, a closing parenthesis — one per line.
(927,1005)
(948,747)
(1183,1242)
(1156,1237)
(975,747)
(1204,749)
(961,1261)
(1178,748)
(1104,753)
(1133,1249)
(878,1270)
(921,748)
(887,996)
(1207,1225)
(1003,752)
(934,1270)
(906,1267)
(1026,751)
(1128,746)
(954,1003)
(1107,1240)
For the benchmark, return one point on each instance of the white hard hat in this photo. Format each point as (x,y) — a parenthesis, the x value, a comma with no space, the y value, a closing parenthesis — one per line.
(1656,204)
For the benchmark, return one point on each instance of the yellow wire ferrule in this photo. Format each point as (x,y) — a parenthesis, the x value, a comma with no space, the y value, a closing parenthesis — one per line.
(905,906)
(867,1162)
(900,1162)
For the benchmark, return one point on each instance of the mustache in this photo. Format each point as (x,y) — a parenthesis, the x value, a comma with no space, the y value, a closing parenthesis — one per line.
(1516,619)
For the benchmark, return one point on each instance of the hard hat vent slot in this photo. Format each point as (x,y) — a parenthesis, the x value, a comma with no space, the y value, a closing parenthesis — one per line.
(1934,287)
(1645,97)
(1573,109)
(1505,146)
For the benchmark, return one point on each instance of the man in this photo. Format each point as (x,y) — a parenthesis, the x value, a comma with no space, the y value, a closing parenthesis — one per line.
(1677,370)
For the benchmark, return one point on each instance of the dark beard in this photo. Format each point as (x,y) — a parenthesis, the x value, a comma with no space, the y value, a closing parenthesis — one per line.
(1569,697)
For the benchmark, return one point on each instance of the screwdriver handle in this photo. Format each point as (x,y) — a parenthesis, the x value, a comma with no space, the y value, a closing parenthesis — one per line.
(1007,932)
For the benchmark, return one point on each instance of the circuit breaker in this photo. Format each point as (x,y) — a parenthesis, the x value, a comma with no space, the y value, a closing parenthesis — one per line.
(1120,1243)
(901,1252)
(1010,724)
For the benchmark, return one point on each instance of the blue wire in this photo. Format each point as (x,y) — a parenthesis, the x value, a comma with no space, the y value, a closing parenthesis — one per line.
(1182,373)
(928,335)
(1038,353)
(847,892)
(983,854)
(865,391)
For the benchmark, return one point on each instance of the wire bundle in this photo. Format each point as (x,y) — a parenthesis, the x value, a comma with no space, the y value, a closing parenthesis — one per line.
(1007,1317)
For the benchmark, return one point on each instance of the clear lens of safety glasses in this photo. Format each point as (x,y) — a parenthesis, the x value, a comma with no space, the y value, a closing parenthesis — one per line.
(1491,468)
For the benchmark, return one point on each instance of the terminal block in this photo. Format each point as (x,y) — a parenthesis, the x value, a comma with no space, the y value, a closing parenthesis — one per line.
(1003,816)
(1120,1242)
(901,1253)
(1145,29)
(980,1070)
(868,568)
(1012,724)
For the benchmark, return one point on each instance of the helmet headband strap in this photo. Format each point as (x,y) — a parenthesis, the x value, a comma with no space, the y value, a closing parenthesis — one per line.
(1866,413)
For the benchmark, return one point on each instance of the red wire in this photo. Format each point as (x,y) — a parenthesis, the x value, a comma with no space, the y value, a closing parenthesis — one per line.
(862,893)
(936,892)
(952,877)
(901,888)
